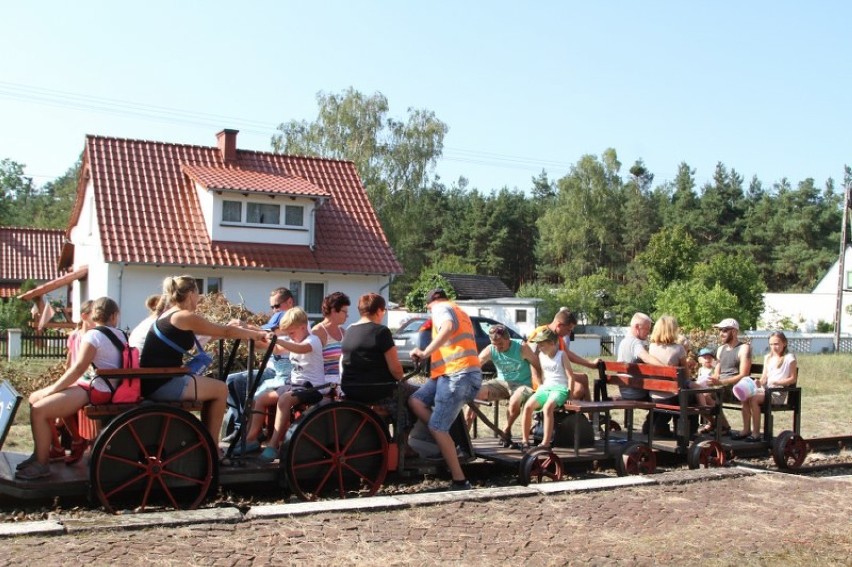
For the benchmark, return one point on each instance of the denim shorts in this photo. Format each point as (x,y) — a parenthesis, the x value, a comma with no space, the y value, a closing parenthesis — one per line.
(172,391)
(447,396)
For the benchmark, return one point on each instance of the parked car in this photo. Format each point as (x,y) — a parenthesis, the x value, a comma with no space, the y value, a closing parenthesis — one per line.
(417,332)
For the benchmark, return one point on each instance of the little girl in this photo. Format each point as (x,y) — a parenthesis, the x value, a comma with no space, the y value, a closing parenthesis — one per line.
(556,386)
(779,370)
(707,362)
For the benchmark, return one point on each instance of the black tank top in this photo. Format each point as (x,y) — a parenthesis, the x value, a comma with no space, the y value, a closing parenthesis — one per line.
(156,353)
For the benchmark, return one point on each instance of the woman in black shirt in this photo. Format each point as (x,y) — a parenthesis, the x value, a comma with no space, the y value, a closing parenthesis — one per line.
(370,364)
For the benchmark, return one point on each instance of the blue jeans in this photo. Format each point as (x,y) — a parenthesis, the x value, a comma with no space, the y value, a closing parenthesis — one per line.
(238,384)
(447,396)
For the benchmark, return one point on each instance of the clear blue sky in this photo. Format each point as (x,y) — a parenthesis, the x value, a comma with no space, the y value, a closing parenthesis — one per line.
(762,86)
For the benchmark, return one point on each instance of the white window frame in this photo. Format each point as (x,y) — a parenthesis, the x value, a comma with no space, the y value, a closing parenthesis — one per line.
(282,214)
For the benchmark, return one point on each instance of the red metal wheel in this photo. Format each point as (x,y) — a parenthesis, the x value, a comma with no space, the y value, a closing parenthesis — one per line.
(540,465)
(706,454)
(335,449)
(636,458)
(154,454)
(789,450)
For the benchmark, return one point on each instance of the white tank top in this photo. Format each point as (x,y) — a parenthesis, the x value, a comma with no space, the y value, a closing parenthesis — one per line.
(554,372)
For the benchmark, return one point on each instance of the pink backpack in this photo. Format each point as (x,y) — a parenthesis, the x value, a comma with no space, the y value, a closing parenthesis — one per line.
(129,390)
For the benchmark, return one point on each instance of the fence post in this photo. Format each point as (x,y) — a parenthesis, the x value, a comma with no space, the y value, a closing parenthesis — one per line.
(13,347)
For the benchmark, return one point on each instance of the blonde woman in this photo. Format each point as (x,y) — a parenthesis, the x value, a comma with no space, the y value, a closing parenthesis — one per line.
(666,347)
(180,324)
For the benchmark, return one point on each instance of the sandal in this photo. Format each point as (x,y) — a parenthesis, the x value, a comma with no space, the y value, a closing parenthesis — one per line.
(33,471)
(738,435)
(706,429)
(753,439)
(506,441)
(78,448)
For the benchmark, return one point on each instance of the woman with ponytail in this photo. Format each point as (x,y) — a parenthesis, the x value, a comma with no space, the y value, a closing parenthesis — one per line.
(179,324)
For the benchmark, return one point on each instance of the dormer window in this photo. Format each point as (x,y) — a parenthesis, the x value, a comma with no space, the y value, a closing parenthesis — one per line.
(263,214)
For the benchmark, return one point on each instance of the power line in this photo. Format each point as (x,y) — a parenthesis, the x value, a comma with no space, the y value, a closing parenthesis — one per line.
(78,101)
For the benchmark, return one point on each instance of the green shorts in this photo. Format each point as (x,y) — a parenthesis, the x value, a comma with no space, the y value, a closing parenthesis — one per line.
(557,393)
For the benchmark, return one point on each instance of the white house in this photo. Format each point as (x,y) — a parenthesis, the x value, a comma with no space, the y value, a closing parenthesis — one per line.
(241,222)
(807,309)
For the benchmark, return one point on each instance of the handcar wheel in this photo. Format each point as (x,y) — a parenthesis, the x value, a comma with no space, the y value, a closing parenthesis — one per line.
(540,465)
(636,458)
(706,454)
(154,454)
(789,450)
(335,450)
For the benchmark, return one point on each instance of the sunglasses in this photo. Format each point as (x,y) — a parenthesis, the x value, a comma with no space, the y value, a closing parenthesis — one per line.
(498,331)
(275,306)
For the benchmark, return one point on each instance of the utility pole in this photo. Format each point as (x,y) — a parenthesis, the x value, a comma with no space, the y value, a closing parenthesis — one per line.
(841,269)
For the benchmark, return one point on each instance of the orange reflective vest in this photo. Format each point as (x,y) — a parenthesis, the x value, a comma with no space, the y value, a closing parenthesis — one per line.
(459,352)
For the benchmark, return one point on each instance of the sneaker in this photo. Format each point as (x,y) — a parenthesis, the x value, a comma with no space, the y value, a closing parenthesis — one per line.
(33,471)
(463,485)
(26,462)
(269,454)
(251,447)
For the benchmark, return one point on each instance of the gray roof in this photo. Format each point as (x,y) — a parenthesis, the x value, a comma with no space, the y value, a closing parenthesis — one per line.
(478,287)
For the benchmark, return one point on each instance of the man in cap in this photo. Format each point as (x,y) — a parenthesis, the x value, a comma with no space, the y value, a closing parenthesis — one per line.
(456,377)
(734,359)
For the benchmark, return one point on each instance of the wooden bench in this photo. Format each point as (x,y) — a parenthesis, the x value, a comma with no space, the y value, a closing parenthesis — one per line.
(793,404)
(91,416)
(669,379)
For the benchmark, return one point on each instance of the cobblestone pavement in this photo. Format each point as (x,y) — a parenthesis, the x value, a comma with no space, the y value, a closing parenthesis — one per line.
(765,519)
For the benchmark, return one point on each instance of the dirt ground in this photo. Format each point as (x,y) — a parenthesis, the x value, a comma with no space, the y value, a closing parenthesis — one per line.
(765,519)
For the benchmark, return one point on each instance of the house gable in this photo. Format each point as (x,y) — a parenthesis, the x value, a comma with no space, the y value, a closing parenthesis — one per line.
(27,254)
(150,209)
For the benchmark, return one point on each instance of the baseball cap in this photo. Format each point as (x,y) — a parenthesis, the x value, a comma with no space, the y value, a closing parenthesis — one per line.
(707,352)
(435,294)
(544,335)
(727,323)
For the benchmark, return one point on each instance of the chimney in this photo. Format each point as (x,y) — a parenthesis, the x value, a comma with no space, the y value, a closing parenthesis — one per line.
(227,142)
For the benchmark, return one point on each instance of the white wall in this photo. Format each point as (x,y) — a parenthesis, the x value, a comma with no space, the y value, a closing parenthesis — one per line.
(134,284)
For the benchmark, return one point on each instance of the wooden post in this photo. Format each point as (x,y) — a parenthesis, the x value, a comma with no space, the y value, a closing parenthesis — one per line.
(841,270)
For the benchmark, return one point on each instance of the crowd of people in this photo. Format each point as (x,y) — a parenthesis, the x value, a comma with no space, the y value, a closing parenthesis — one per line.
(360,363)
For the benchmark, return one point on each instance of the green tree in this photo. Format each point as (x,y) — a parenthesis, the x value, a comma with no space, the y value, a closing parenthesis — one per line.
(579,232)
(738,275)
(697,306)
(415,301)
(670,256)
(16,192)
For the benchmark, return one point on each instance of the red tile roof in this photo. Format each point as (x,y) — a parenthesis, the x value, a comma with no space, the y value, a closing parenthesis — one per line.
(28,253)
(148,212)
(244,179)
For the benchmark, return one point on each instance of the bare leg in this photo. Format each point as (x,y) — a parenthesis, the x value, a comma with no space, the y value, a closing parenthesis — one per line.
(46,410)
(547,409)
(580,391)
(746,411)
(526,420)
(214,394)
